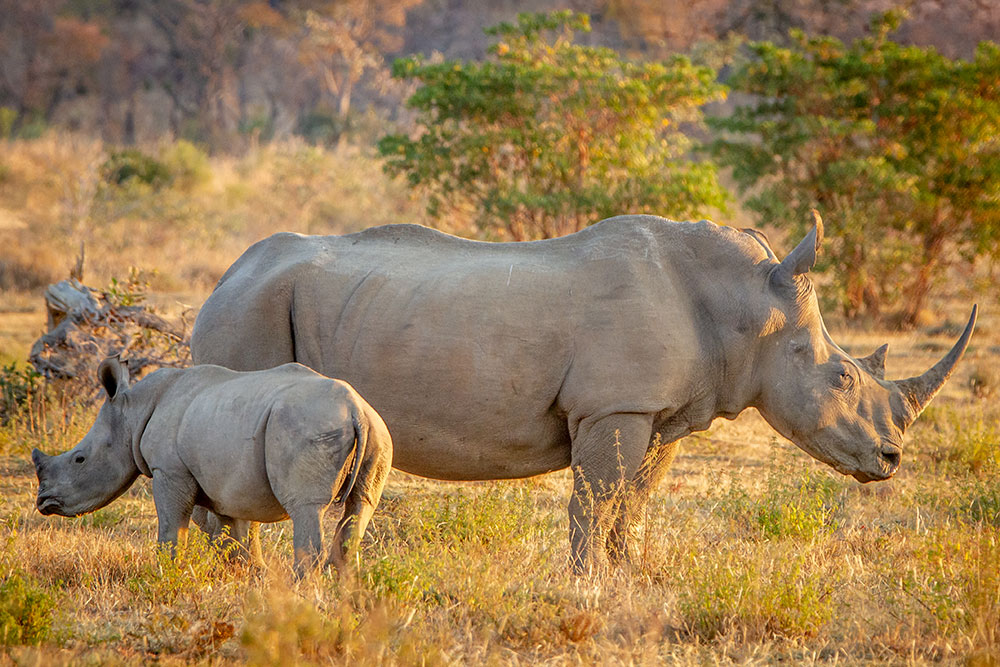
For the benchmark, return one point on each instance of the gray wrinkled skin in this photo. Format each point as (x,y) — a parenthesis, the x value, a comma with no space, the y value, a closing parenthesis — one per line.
(505,360)
(261,446)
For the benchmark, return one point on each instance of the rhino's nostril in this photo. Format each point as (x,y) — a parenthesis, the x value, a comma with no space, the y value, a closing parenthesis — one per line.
(892,457)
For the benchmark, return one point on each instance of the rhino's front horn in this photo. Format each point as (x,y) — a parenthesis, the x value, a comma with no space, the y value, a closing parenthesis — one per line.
(918,391)
(38,458)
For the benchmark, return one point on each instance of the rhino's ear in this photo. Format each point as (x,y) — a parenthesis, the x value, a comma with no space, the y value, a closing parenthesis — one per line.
(874,363)
(803,258)
(113,374)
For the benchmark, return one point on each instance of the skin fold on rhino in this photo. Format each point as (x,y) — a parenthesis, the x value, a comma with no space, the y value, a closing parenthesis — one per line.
(262,447)
(596,351)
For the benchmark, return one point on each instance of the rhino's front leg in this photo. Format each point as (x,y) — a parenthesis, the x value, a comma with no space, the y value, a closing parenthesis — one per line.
(606,453)
(173,496)
(630,514)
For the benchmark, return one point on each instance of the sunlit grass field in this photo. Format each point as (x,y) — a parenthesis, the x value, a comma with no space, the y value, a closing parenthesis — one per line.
(753,552)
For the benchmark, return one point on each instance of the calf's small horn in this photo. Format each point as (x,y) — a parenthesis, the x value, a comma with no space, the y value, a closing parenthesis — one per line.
(38,458)
(918,391)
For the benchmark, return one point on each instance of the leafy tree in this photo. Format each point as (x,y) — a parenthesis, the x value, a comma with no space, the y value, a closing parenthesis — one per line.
(896,145)
(547,136)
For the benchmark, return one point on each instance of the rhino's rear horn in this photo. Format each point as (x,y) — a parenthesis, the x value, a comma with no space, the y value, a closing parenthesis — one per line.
(918,391)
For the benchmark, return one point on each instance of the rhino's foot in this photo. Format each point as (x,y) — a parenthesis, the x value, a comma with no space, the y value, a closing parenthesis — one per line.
(625,543)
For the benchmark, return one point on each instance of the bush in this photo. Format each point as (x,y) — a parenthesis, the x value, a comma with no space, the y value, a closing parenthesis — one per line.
(894,144)
(752,595)
(800,507)
(968,445)
(26,610)
(134,166)
(320,127)
(187,165)
(7,118)
(19,388)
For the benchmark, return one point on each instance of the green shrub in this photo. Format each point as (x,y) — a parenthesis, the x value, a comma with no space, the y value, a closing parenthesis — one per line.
(980,501)
(133,166)
(896,145)
(129,292)
(752,594)
(7,118)
(966,444)
(500,516)
(26,610)
(799,507)
(320,127)
(196,565)
(546,135)
(976,447)
(187,165)
(19,388)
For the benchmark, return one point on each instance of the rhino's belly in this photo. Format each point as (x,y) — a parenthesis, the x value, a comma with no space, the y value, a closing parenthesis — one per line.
(243,501)
(233,480)
(479,453)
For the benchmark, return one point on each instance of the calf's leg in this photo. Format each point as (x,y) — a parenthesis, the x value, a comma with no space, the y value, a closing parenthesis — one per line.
(364,497)
(351,528)
(307,536)
(173,496)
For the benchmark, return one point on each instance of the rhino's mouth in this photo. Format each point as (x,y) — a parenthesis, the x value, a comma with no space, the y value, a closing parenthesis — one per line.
(49,505)
(865,477)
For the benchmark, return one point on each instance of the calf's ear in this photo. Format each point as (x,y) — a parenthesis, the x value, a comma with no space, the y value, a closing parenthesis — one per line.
(113,374)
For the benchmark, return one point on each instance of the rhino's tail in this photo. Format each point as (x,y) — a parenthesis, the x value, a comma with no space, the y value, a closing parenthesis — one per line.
(360,440)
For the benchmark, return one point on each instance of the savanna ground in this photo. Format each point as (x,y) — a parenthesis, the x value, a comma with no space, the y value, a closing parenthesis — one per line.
(754,552)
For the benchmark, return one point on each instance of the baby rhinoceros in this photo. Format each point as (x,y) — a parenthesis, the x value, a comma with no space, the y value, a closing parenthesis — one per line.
(258,446)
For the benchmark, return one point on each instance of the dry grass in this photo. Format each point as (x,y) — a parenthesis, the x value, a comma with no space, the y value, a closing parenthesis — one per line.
(754,553)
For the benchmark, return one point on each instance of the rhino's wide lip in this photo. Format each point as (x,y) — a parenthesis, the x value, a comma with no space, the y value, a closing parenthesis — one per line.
(865,477)
(49,505)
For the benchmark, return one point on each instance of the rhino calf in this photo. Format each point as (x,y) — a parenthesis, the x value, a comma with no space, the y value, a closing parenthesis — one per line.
(249,446)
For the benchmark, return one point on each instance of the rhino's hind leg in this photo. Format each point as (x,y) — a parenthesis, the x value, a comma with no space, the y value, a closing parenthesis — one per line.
(599,480)
(366,494)
(627,533)
(307,537)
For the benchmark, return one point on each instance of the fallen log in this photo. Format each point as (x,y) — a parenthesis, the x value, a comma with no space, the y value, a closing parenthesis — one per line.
(85,325)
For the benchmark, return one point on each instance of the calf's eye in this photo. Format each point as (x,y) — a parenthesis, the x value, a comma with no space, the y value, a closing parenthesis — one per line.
(80,458)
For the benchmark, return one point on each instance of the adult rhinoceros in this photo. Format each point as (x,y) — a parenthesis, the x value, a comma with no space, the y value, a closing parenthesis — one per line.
(504,360)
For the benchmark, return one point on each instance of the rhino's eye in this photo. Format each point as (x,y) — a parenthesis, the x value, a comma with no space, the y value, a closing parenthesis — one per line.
(80,458)
(846,379)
